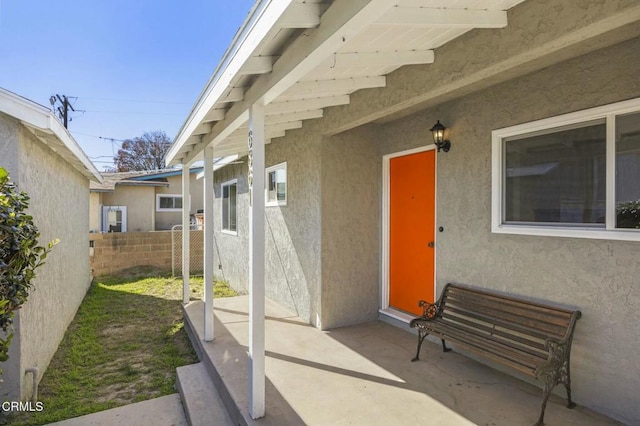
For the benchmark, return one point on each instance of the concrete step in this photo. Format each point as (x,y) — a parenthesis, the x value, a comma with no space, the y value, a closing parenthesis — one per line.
(200,399)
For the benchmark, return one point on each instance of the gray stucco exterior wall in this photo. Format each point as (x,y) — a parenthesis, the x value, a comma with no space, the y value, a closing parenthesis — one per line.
(60,208)
(351,175)
(598,276)
(292,232)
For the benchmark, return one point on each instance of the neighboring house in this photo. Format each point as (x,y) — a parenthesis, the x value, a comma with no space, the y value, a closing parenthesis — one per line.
(45,161)
(142,201)
(543,116)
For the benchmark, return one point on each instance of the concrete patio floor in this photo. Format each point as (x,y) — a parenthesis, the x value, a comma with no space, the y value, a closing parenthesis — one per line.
(362,374)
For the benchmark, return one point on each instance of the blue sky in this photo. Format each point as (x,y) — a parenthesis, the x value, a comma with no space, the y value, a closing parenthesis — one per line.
(134,66)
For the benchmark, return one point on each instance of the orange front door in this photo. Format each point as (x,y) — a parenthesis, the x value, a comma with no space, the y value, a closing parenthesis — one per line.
(411,230)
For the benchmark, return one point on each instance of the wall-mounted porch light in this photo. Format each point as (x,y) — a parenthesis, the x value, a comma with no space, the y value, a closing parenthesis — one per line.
(438,137)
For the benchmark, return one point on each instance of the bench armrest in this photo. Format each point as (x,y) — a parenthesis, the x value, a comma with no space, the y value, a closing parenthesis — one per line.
(429,310)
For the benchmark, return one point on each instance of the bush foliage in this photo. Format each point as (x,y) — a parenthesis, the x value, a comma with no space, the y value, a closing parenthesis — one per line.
(20,255)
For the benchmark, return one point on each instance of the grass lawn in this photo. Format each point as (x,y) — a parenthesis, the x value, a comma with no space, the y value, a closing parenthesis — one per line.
(122,347)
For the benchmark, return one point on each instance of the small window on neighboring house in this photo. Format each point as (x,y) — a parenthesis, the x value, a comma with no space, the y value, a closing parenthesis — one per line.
(168,203)
(229,207)
(276,190)
(574,175)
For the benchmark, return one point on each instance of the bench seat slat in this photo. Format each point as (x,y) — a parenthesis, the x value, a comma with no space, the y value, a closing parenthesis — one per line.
(507,319)
(499,350)
(535,345)
(514,327)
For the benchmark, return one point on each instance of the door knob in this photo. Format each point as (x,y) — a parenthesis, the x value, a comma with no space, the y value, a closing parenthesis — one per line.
(431,244)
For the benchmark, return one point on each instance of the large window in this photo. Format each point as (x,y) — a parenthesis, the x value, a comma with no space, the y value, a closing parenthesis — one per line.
(168,203)
(229,207)
(276,177)
(576,175)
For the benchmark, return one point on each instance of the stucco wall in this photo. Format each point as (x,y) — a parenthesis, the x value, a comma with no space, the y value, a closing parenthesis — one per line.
(351,167)
(165,220)
(231,255)
(598,276)
(140,202)
(60,208)
(292,232)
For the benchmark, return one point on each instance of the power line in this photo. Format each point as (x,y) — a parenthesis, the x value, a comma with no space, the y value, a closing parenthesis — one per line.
(134,112)
(137,100)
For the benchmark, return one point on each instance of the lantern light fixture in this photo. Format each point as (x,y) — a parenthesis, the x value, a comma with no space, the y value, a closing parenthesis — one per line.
(438,137)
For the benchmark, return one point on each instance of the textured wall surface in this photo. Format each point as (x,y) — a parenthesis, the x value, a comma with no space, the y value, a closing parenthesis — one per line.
(60,209)
(117,251)
(9,144)
(601,277)
(292,232)
(351,177)
(140,202)
(231,255)
(165,220)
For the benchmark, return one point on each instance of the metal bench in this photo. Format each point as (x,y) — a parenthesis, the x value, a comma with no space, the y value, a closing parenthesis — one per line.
(533,338)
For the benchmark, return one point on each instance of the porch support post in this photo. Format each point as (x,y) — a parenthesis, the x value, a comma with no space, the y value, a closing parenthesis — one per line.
(256,262)
(186,232)
(208,243)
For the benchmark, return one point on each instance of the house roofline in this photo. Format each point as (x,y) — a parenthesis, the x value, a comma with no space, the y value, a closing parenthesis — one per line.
(44,125)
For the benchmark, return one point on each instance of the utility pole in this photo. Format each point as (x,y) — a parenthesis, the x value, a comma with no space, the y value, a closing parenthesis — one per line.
(63,109)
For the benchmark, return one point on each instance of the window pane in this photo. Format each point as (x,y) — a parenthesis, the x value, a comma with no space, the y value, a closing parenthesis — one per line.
(628,171)
(233,189)
(271,191)
(281,179)
(166,203)
(225,207)
(557,177)
(177,202)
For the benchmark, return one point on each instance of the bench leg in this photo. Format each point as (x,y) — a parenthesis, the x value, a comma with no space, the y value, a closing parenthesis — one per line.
(545,397)
(421,336)
(444,347)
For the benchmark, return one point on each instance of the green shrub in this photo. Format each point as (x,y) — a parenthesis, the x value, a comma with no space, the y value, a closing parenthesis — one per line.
(20,255)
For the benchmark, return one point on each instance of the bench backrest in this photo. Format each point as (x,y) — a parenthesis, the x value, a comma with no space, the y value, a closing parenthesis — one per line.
(507,317)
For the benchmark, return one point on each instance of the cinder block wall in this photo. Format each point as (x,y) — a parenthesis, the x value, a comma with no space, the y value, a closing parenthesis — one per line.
(116,252)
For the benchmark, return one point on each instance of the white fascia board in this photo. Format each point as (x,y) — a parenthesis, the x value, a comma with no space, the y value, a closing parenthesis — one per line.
(260,21)
(38,117)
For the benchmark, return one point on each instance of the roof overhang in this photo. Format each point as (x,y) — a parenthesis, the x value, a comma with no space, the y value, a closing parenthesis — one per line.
(300,57)
(43,124)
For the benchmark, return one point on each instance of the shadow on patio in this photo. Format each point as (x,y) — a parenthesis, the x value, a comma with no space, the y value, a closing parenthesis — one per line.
(362,374)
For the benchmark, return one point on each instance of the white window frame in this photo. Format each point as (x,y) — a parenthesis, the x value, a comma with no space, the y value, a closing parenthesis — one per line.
(222,185)
(160,209)
(268,170)
(609,232)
